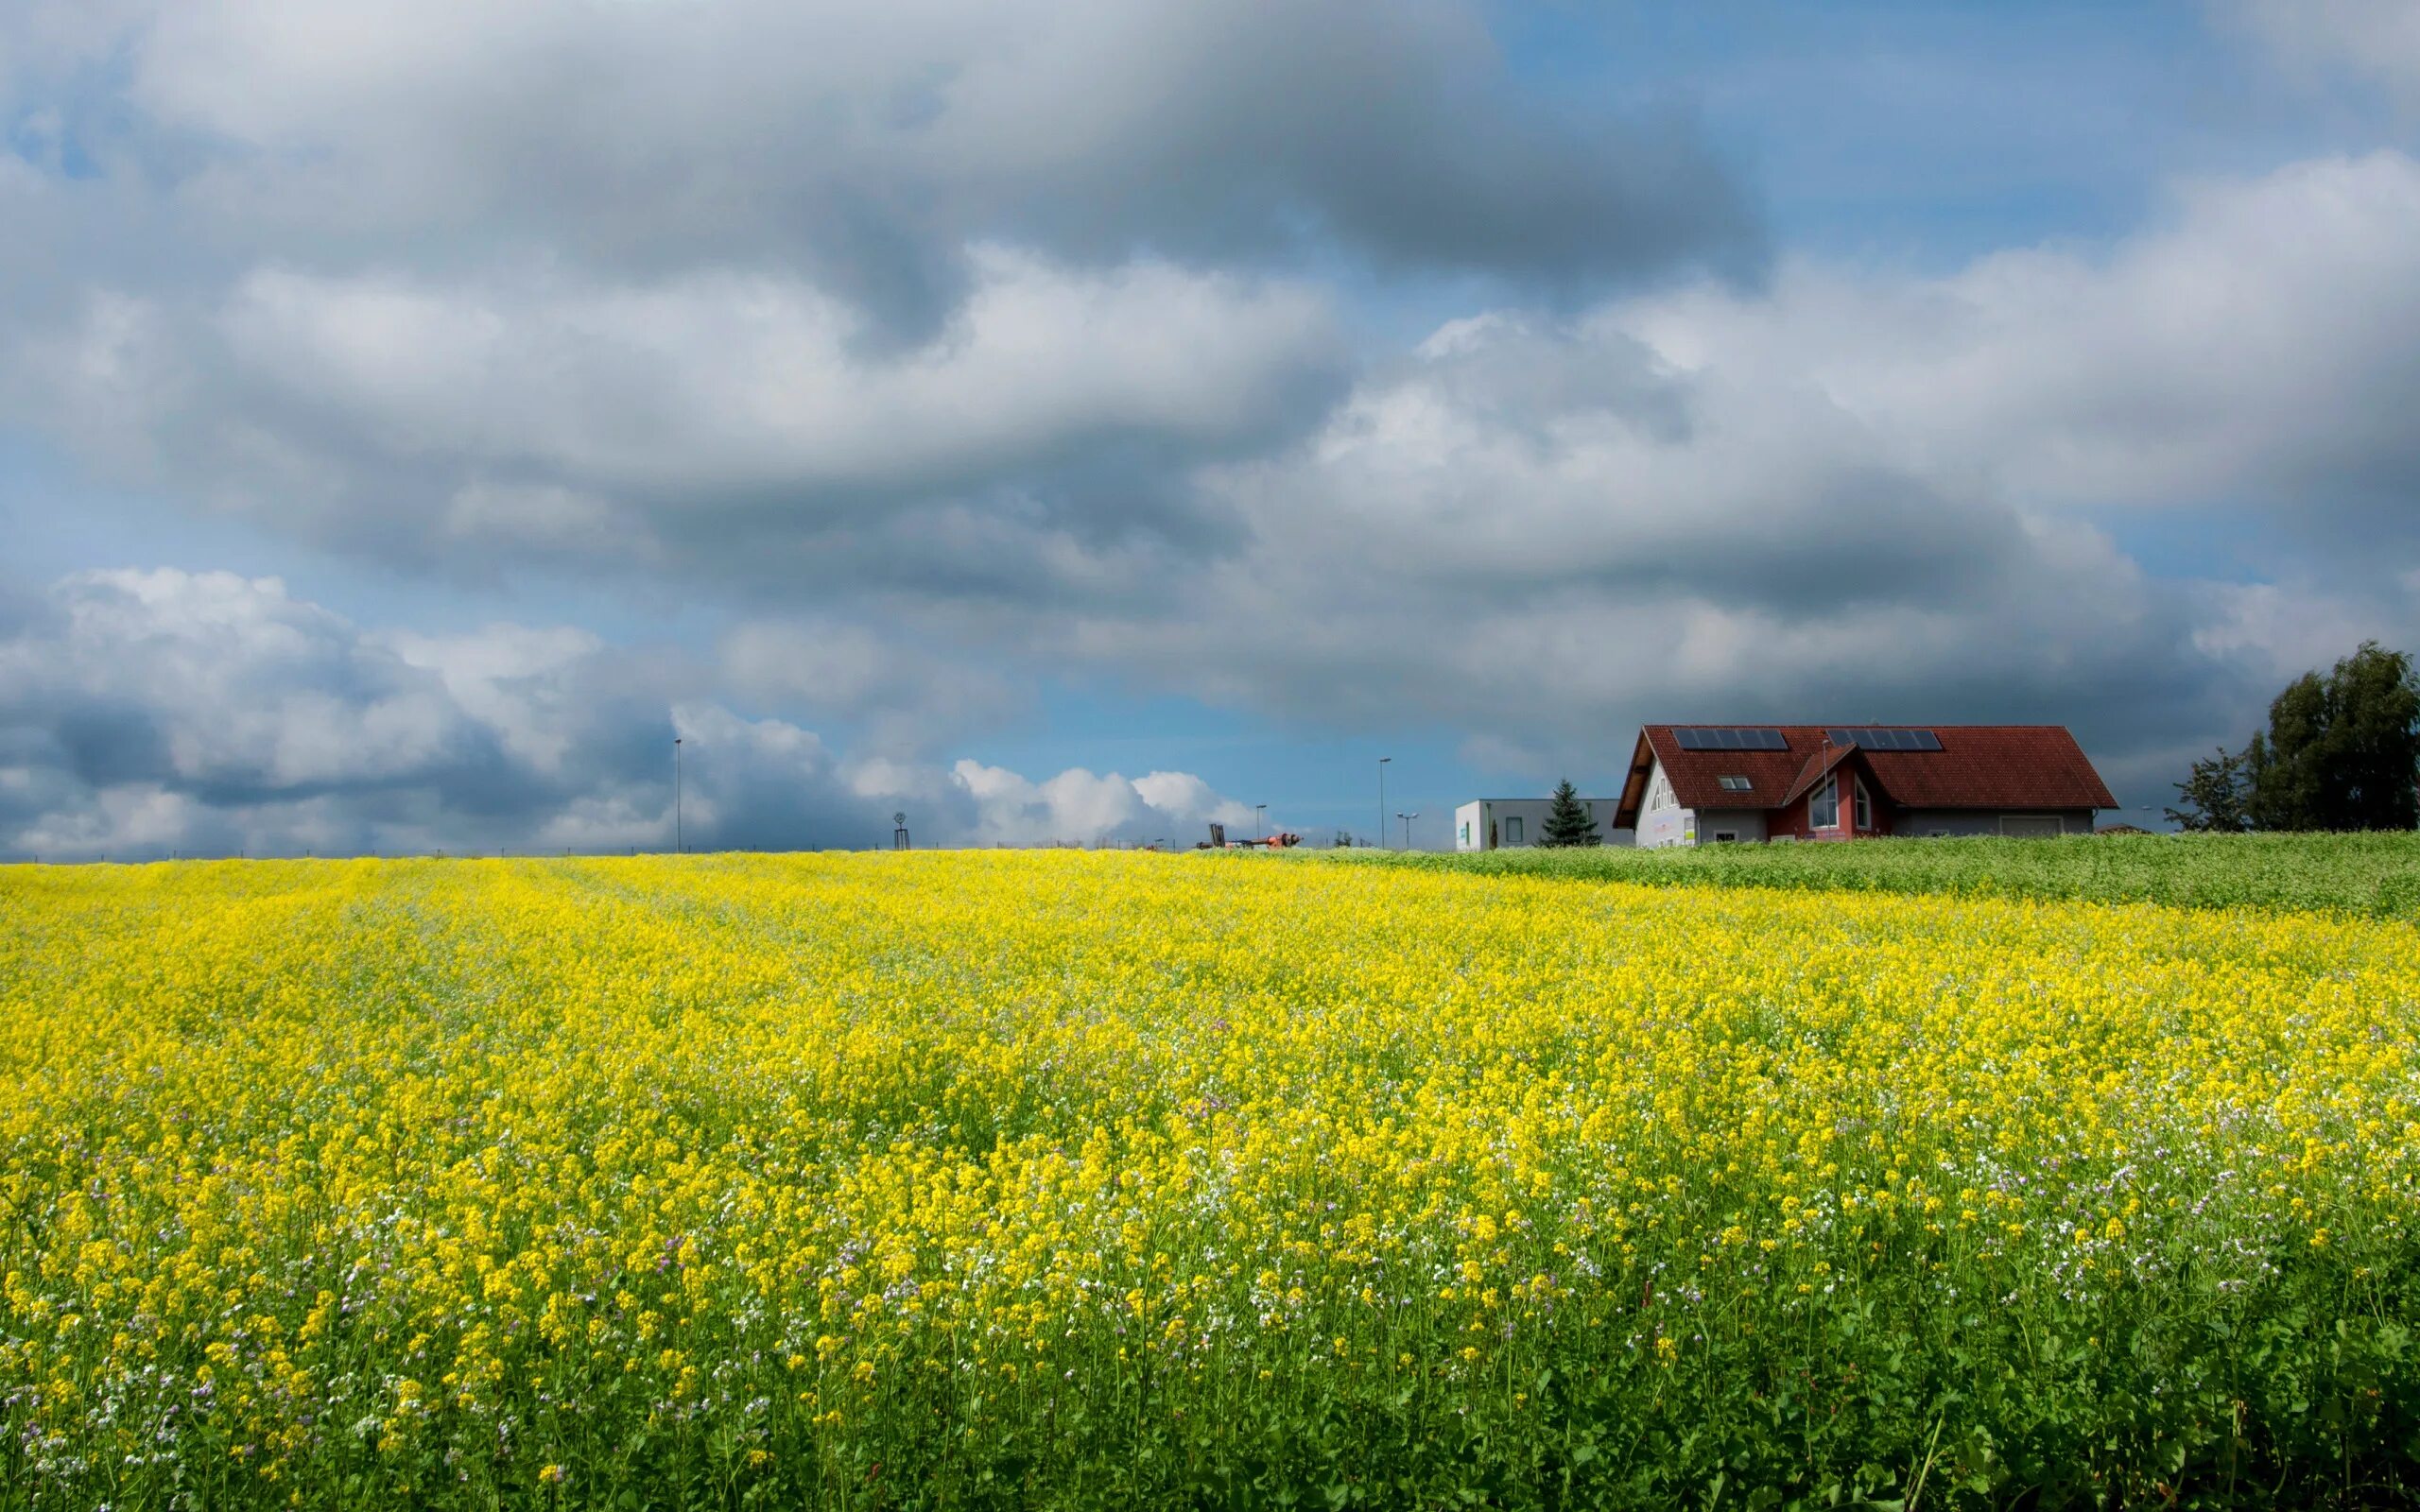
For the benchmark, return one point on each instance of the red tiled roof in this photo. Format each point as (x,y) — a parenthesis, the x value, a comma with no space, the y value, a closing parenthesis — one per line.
(1979,767)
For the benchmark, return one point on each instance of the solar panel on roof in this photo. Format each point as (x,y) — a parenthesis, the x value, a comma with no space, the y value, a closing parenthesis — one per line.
(1886,739)
(1728,737)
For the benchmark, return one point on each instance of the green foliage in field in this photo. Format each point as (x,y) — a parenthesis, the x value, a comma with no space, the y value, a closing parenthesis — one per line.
(2375,875)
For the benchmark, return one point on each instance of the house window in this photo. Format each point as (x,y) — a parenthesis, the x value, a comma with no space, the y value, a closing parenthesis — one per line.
(1864,807)
(1512,831)
(1824,806)
(1734,785)
(1721,836)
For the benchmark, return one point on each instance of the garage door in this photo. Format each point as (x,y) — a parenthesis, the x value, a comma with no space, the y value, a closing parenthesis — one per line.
(2032,826)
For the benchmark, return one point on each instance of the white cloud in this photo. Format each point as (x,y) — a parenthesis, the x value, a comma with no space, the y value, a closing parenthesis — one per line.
(234,682)
(2282,632)
(710,422)
(1889,493)
(510,678)
(2254,341)
(1183,799)
(147,712)
(1883,497)
(1031,327)
(2377,39)
(1844,487)
(904,694)
(541,516)
(715,382)
(1080,807)
(129,822)
(969,802)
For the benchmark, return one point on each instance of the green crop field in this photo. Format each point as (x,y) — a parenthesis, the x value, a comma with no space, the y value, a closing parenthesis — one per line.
(2374,875)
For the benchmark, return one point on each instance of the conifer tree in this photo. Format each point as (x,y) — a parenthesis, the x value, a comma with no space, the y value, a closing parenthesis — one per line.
(1568,822)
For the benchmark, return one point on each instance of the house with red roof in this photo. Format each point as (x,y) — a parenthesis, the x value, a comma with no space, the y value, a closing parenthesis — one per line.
(1695,784)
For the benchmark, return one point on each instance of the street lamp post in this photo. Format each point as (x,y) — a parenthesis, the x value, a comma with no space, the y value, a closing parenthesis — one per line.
(1260,818)
(1382,798)
(1406,826)
(676,794)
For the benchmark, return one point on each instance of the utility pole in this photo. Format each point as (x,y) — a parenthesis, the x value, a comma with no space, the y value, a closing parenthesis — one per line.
(1406,826)
(676,794)
(1382,798)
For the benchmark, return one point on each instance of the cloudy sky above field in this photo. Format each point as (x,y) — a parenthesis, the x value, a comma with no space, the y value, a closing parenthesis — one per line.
(1081,419)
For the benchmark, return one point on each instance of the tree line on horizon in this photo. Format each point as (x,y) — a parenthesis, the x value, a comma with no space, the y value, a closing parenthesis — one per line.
(2341,751)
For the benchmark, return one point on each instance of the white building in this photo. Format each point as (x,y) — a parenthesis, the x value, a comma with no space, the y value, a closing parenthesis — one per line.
(1505,823)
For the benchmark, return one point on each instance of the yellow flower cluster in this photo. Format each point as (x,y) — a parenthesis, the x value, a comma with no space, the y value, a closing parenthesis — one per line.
(464,1168)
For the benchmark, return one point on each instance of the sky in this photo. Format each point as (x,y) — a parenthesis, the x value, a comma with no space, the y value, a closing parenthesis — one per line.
(1081,421)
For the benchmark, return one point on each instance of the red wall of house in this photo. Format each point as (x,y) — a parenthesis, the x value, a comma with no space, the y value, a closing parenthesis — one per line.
(1791,822)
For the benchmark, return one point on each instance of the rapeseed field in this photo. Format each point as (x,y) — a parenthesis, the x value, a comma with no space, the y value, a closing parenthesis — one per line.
(1104,1180)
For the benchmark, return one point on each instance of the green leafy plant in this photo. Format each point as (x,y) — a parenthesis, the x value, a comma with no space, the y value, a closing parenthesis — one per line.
(2341,751)
(2375,874)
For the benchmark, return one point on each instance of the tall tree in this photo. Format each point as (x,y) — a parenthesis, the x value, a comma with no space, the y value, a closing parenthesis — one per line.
(2341,751)
(1568,821)
(2214,796)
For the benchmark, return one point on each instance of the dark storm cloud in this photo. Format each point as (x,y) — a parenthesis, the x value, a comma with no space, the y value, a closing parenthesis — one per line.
(870,147)
(101,744)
